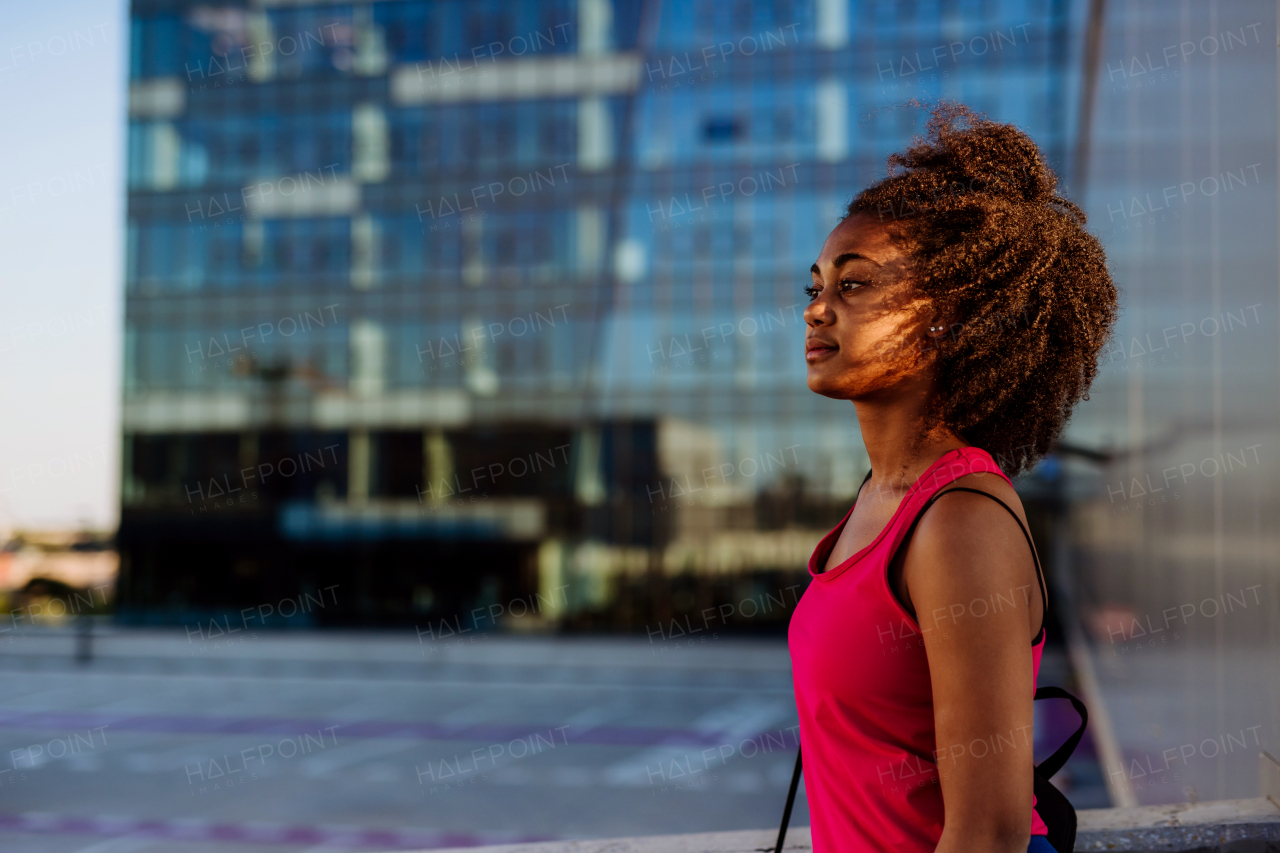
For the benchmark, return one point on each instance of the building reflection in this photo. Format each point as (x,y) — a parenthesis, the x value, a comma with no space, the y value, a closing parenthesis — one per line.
(452,304)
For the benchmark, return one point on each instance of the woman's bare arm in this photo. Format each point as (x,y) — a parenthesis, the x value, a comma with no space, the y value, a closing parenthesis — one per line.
(972,583)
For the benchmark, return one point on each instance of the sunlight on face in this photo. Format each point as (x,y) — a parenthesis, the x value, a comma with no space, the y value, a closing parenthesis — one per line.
(865,322)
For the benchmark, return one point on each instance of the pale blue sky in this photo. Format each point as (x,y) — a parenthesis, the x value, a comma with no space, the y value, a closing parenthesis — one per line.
(63,70)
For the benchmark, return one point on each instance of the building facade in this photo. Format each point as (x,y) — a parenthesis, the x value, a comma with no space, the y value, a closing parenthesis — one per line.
(443,306)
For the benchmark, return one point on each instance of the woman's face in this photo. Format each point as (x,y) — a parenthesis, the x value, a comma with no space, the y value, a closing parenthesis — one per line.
(865,322)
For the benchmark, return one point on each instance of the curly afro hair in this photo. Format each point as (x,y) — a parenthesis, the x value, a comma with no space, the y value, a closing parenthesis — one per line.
(1008,261)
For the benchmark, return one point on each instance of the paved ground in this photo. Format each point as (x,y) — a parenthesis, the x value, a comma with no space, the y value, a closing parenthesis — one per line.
(358,741)
(1189,720)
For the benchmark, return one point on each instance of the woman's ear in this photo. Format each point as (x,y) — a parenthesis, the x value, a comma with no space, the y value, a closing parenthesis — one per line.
(941,326)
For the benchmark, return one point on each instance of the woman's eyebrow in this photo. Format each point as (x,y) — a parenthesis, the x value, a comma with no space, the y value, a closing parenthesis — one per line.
(841,260)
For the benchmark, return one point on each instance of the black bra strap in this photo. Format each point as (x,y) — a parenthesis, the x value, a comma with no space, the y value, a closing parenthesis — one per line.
(1044,597)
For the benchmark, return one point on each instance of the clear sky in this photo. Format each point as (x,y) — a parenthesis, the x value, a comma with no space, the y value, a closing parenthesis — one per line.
(63,80)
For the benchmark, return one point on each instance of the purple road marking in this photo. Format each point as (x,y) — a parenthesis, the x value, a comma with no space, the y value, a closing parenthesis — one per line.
(350,837)
(487,733)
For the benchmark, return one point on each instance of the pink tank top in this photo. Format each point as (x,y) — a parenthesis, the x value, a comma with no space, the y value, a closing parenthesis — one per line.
(863,691)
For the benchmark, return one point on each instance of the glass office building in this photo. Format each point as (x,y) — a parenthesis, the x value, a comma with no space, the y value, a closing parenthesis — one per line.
(437,307)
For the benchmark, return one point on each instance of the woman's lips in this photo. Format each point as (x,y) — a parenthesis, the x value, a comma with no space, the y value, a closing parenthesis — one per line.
(817,351)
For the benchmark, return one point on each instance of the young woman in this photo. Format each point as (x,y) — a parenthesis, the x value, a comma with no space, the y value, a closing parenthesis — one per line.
(961,306)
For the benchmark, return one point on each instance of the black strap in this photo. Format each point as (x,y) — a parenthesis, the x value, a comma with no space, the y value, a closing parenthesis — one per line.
(1047,768)
(791,801)
(1051,765)
(1044,596)
(795,774)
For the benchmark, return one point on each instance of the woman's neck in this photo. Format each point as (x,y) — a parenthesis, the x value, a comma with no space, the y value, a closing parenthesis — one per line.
(898,445)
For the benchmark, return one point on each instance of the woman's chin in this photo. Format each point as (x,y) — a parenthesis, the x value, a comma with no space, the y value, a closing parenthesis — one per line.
(824,385)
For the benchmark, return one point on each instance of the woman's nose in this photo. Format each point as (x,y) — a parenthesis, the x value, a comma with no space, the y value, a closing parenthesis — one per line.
(817,314)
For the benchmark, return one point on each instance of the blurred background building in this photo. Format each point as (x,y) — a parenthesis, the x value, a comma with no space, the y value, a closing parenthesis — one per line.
(454,302)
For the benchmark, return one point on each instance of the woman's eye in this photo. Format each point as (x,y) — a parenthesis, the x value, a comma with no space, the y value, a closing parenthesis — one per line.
(850,284)
(812,292)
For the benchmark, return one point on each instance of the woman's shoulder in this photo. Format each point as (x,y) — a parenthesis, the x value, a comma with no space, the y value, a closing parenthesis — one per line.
(966,546)
(955,521)
(966,508)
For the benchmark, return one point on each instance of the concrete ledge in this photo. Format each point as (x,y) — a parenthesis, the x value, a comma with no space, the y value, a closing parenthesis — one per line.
(1179,827)
(1145,829)
(740,841)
